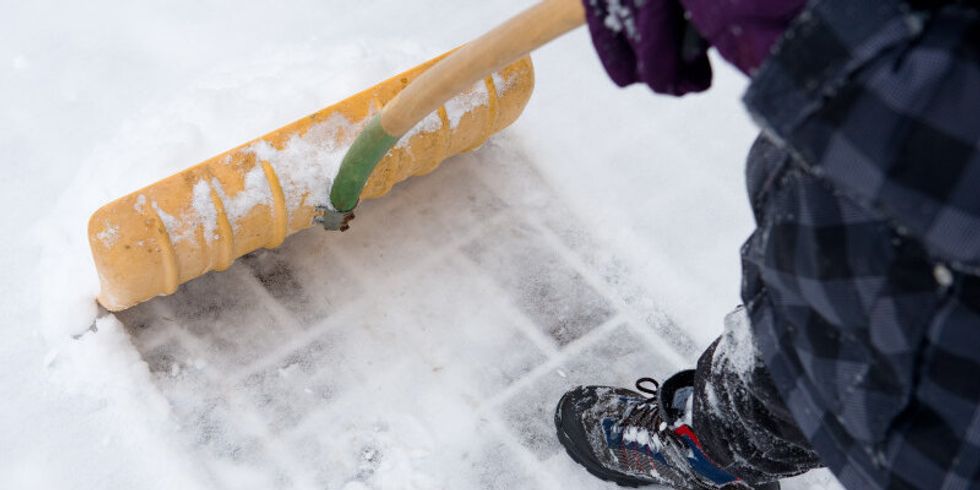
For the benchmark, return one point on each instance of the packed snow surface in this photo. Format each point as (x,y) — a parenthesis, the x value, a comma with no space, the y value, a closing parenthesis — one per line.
(595,241)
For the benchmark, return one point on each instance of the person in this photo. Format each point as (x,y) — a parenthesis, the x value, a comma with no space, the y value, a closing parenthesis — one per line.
(858,345)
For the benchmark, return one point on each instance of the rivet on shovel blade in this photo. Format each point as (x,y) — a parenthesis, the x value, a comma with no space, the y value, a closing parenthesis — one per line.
(333,220)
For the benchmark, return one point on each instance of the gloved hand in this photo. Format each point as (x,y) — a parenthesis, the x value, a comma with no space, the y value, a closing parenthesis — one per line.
(664,43)
(649,41)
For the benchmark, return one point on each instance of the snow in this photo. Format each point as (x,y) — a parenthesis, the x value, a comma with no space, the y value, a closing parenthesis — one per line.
(620,18)
(176,232)
(737,346)
(308,160)
(429,124)
(204,206)
(426,347)
(109,233)
(256,191)
(459,106)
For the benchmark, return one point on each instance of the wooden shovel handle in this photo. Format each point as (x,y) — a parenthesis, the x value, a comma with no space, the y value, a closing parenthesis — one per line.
(503,45)
(448,78)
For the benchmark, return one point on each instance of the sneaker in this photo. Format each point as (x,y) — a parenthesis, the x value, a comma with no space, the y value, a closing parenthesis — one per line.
(635,439)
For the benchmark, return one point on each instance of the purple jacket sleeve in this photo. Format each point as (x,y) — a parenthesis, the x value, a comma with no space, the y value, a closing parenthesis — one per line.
(664,43)
(743,31)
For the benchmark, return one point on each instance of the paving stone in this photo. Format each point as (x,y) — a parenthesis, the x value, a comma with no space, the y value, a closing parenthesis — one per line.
(547,288)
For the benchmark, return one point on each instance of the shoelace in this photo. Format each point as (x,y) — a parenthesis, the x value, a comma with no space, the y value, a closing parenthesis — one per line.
(645,415)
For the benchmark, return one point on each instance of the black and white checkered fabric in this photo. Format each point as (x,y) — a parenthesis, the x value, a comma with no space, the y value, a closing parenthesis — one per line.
(862,278)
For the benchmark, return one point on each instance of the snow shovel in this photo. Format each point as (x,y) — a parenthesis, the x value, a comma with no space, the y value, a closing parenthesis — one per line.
(316,169)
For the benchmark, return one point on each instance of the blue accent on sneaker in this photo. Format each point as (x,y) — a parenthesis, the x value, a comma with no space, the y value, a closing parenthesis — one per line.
(593,423)
(701,464)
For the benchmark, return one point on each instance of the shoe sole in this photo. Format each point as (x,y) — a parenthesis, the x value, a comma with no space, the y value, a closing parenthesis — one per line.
(583,455)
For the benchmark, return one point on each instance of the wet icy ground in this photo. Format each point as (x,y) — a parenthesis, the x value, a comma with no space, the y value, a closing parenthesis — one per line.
(425,347)
(595,241)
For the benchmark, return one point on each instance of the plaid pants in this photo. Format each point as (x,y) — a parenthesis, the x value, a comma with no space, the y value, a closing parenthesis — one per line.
(861,346)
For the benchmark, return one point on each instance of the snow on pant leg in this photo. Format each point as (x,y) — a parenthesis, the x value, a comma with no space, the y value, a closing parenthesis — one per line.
(739,416)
